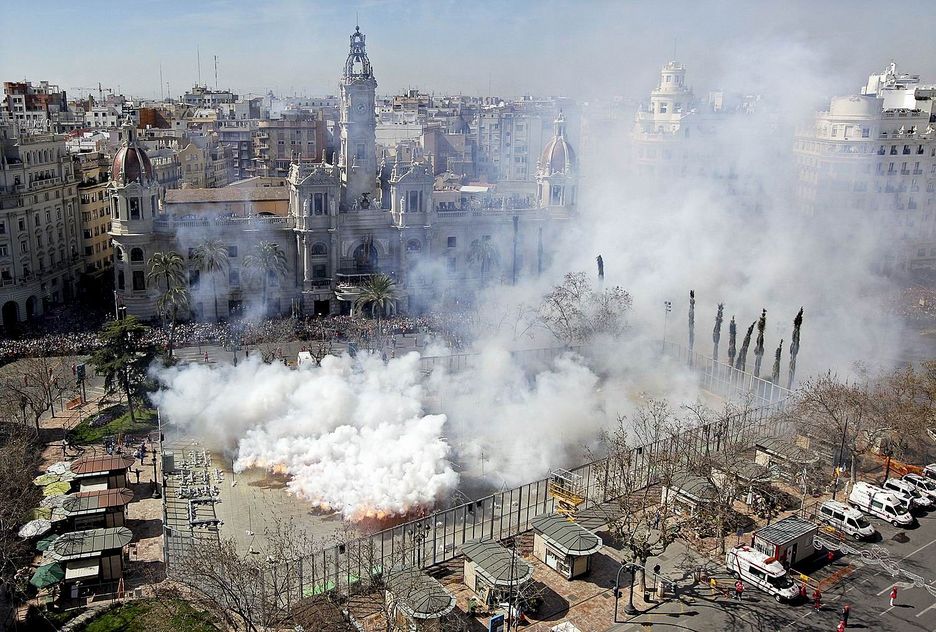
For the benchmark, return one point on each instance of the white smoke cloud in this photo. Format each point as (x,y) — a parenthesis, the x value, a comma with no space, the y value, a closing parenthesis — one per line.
(350,435)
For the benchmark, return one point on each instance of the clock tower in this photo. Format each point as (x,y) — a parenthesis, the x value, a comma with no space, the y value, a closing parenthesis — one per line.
(358,156)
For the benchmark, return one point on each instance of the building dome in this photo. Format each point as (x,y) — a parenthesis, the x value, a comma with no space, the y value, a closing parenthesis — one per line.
(131,164)
(558,156)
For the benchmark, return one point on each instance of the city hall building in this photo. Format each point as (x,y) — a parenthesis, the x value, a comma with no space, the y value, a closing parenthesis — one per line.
(345,220)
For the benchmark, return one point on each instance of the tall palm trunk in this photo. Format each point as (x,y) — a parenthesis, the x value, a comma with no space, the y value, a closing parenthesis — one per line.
(214,291)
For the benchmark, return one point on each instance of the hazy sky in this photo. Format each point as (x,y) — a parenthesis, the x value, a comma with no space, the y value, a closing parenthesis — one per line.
(577,48)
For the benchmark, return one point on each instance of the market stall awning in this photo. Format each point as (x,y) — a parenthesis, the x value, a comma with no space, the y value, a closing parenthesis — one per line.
(498,566)
(47,575)
(103,464)
(89,543)
(569,538)
(34,528)
(96,501)
(419,595)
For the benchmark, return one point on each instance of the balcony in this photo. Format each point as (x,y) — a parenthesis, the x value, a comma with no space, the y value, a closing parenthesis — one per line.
(168,224)
(321,283)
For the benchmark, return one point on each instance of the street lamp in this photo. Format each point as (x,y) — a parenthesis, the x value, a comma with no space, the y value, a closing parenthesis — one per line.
(156,493)
(629,609)
(419,532)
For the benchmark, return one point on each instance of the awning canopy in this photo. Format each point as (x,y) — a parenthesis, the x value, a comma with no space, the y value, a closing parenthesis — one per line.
(81,569)
(569,538)
(496,564)
(89,543)
(96,501)
(103,464)
(419,595)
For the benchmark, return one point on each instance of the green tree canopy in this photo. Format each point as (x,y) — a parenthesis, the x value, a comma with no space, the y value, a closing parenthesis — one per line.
(124,358)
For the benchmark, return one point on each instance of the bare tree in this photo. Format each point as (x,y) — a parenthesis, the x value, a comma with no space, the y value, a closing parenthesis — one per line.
(36,385)
(19,459)
(254,591)
(642,455)
(575,312)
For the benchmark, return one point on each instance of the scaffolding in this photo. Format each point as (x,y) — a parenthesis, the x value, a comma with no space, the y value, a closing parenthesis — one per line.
(567,490)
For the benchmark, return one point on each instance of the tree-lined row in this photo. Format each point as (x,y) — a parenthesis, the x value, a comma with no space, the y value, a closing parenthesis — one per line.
(737,358)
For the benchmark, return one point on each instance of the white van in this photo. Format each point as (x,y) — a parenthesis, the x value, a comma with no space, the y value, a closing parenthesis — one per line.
(765,573)
(880,503)
(845,519)
(925,486)
(908,492)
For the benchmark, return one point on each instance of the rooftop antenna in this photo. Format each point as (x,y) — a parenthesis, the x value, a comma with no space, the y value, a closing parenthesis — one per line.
(198,57)
(161,93)
(216,71)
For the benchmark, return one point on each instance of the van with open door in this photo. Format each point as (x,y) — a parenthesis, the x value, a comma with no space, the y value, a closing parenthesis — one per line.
(764,573)
(878,502)
(845,519)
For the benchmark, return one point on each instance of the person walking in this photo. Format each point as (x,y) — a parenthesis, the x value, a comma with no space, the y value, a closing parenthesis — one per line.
(817,599)
(846,610)
(713,584)
(803,592)
(893,595)
(841,626)
(738,589)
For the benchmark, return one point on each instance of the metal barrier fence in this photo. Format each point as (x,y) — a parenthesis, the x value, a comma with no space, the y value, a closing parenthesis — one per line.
(725,380)
(436,538)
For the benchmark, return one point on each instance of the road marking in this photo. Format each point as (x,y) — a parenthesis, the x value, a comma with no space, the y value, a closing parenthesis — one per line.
(926,610)
(918,550)
(901,585)
(888,610)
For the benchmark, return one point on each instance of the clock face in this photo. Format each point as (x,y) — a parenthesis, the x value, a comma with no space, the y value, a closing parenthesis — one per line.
(360,108)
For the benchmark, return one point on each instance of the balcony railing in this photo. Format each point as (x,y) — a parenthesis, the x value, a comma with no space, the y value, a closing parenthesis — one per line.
(245,222)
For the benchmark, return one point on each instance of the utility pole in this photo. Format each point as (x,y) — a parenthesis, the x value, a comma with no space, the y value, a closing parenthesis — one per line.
(198,62)
(216,71)
(162,95)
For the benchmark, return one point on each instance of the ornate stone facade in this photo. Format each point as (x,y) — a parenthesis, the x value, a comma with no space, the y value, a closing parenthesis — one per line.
(353,219)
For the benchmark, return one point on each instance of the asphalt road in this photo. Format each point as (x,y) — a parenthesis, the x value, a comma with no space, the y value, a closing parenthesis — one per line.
(911,553)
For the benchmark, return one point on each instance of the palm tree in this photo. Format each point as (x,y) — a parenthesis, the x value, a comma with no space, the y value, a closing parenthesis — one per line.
(794,346)
(716,333)
(170,302)
(732,341)
(759,346)
(211,258)
(775,374)
(268,262)
(380,293)
(484,255)
(169,267)
(742,353)
(691,323)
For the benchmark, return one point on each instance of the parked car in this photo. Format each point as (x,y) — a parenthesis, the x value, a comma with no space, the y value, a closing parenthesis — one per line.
(924,485)
(929,471)
(845,519)
(880,503)
(908,493)
(763,572)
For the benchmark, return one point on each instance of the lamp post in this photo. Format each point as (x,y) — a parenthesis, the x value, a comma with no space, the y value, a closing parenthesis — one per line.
(629,609)
(419,532)
(841,460)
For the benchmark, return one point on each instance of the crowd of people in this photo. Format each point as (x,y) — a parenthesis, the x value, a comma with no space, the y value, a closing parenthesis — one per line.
(83,338)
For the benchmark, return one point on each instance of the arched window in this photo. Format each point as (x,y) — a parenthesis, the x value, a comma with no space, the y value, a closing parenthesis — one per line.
(136,254)
(118,253)
(413,245)
(319,249)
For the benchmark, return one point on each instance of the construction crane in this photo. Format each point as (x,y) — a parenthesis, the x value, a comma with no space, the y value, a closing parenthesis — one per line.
(81,91)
